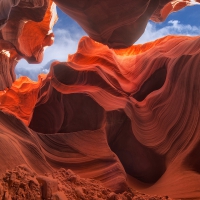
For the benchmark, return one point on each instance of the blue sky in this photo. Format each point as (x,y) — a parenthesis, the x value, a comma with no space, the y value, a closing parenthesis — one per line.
(68,33)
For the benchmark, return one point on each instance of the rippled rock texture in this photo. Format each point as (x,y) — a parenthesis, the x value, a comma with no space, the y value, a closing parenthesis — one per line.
(122,116)
(25,29)
(106,112)
(119,24)
(104,21)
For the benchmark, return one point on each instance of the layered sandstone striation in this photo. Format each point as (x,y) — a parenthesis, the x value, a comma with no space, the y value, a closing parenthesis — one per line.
(125,117)
(25,29)
(106,112)
(119,24)
(105,22)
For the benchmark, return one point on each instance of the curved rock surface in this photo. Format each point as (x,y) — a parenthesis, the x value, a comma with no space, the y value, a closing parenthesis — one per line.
(18,19)
(146,99)
(104,22)
(85,152)
(8,61)
(119,24)
(109,114)
(140,103)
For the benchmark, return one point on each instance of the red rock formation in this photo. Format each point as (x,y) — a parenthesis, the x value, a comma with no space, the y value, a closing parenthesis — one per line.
(21,98)
(22,20)
(104,22)
(105,112)
(62,184)
(141,101)
(85,152)
(118,24)
(17,36)
(8,61)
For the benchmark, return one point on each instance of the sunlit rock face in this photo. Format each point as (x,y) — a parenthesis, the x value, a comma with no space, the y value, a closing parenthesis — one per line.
(8,61)
(139,104)
(144,98)
(25,29)
(105,22)
(106,113)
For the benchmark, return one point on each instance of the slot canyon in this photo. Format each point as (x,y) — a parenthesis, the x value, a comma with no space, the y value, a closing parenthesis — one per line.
(116,120)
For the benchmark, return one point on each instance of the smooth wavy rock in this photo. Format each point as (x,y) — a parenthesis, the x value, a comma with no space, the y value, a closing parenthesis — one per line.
(140,103)
(8,61)
(104,21)
(5,8)
(20,25)
(119,24)
(25,29)
(21,98)
(85,152)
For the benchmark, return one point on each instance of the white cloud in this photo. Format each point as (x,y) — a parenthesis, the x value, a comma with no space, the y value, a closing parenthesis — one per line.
(174,27)
(66,42)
